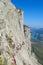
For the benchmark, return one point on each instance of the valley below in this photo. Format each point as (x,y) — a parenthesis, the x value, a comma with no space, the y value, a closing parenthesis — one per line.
(37,48)
(37,44)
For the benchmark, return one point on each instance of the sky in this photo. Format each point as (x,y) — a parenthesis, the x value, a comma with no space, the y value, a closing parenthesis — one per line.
(33,12)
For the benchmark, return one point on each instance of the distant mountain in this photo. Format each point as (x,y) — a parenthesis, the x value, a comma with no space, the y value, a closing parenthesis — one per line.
(37,34)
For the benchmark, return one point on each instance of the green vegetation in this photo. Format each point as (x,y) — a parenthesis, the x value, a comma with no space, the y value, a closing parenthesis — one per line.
(9,39)
(37,48)
(5,61)
(24,63)
(0,61)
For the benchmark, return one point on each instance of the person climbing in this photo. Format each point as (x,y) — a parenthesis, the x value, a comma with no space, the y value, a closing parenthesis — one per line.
(14,61)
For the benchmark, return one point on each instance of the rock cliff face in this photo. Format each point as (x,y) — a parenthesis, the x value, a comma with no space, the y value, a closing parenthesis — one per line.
(15,45)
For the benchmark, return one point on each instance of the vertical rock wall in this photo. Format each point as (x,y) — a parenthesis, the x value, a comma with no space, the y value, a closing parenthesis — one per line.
(27,38)
(15,46)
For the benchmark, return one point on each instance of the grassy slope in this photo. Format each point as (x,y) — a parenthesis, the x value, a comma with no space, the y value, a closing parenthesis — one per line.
(37,48)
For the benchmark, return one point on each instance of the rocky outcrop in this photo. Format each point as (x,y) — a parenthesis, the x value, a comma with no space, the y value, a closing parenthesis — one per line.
(15,46)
